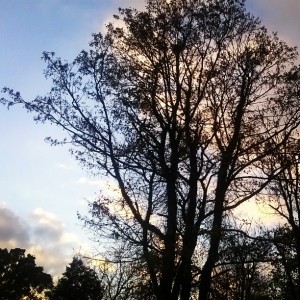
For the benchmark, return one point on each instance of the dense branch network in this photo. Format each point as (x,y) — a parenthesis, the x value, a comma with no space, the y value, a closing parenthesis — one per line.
(182,107)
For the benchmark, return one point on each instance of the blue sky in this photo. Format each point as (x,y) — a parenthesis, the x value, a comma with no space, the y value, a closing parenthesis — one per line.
(42,187)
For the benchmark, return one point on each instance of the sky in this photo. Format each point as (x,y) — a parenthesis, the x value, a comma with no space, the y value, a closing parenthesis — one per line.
(42,187)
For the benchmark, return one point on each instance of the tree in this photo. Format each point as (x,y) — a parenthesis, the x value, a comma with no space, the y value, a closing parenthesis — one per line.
(119,280)
(284,200)
(283,271)
(19,275)
(79,282)
(125,280)
(181,108)
(243,269)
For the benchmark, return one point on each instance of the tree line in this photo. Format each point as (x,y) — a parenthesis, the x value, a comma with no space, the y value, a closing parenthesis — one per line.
(192,109)
(260,268)
(21,279)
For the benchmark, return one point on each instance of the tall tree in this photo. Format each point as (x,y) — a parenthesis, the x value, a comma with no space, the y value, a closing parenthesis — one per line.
(180,107)
(284,195)
(243,269)
(284,200)
(121,276)
(285,274)
(79,282)
(19,275)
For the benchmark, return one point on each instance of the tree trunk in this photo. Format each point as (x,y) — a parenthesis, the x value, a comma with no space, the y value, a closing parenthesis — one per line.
(205,279)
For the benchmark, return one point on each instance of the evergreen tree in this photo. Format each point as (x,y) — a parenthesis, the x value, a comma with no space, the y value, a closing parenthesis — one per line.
(79,282)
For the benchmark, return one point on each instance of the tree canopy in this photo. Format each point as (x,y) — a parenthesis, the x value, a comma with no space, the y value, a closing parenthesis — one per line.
(183,107)
(19,275)
(79,282)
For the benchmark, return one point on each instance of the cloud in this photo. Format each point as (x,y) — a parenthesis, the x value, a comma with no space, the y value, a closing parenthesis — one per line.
(43,235)
(138,4)
(62,166)
(46,226)
(108,188)
(258,212)
(88,181)
(14,232)
(281,16)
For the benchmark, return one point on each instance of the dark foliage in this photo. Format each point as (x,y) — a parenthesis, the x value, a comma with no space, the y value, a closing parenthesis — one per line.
(19,275)
(79,282)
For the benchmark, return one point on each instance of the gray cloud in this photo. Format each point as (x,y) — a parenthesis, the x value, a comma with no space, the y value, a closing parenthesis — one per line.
(47,227)
(13,231)
(43,235)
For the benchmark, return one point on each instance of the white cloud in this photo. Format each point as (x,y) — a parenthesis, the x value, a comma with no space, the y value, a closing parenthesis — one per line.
(88,181)
(107,187)
(62,166)
(257,212)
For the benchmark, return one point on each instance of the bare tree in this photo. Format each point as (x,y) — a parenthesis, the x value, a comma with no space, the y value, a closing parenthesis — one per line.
(122,277)
(243,270)
(180,107)
(284,199)
(285,275)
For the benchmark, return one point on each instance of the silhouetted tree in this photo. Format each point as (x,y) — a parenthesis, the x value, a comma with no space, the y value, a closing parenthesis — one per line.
(285,273)
(284,192)
(181,108)
(79,282)
(243,271)
(122,277)
(20,277)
